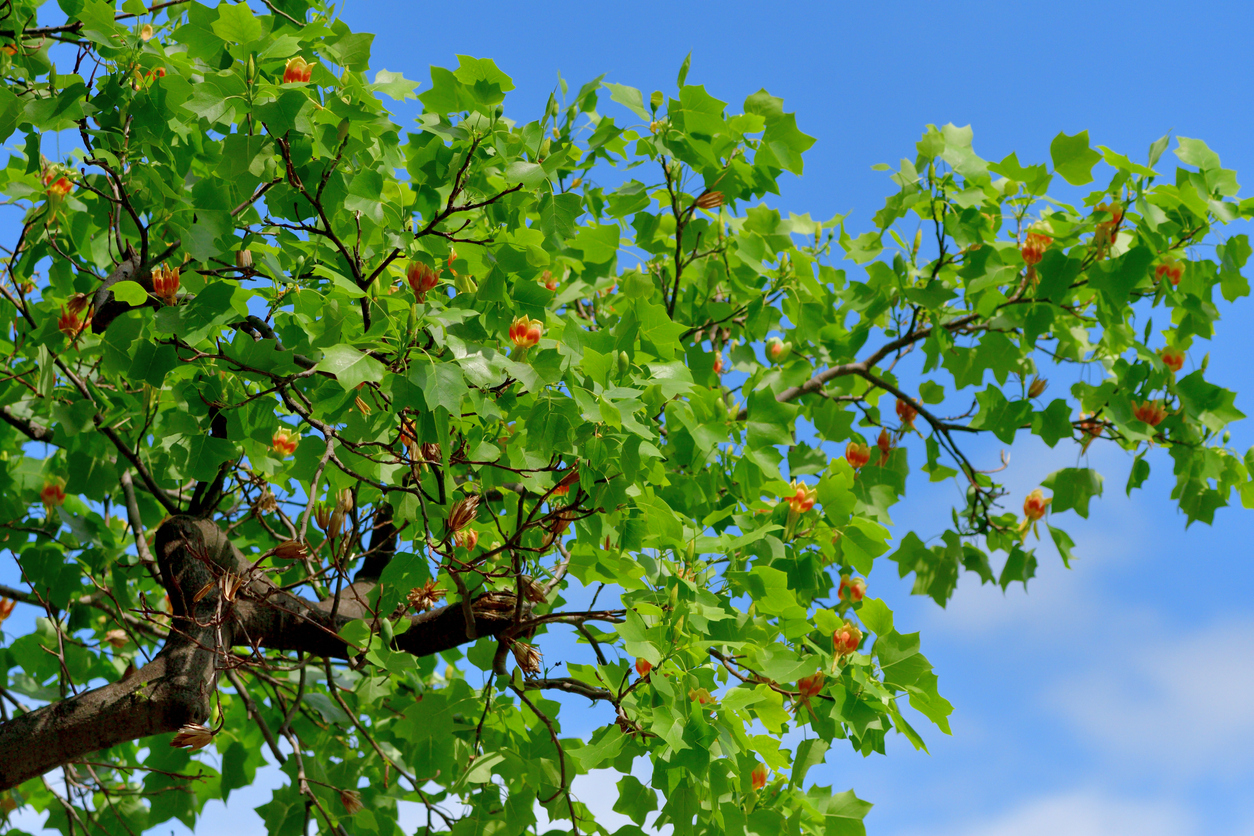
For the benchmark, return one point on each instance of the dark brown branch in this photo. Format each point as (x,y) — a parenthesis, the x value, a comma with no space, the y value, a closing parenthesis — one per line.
(177,686)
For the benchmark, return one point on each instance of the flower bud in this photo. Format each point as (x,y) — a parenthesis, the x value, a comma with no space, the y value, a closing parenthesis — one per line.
(810,686)
(846,639)
(52,494)
(851,589)
(1034,247)
(710,200)
(465,283)
(6,608)
(720,365)
(297,71)
(1035,505)
(777,350)
(1171,269)
(1151,412)
(528,657)
(525,332)
(885,445)
(290,550)
(758,777)
(165,283)
(351,799)
(1173,358)
(802,497)
(656,100)
(192,736)
(857,454)
(624,363)
(251,70)
(462,513)
(284,442)
(146,32)
(421,278)
(546,279)
(344,500)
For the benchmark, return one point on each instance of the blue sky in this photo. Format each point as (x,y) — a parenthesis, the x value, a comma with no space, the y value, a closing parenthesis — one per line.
(1109,699)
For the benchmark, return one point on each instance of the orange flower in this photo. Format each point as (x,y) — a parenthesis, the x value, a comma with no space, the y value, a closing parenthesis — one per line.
(1106,231)
(70,325)
(1151,412)
(60,187)
(1173,358)
(525,332)
(846,639)
(284,442)
(802,498)
(719,365)
(1035,505)
(857,454)
(758,776)
(643,666)
(700,695)
(165,283)
(906,413)
(52,494)
(851,589)
(1034,247)
(546,279)
(467,539)
(1170,268)
(297,71)
(421,278)
(6,608)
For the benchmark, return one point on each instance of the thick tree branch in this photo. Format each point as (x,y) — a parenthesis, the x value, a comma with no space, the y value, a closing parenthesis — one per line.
(198,564)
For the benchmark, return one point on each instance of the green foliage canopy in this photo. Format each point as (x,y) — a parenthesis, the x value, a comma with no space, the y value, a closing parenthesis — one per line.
(447,381)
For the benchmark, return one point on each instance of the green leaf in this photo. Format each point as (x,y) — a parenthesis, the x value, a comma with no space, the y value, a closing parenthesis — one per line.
(236,24)
(1073,158)
(630,97)
(876,615)
(350,366)
(394,85)
(1073,487)
(132,293)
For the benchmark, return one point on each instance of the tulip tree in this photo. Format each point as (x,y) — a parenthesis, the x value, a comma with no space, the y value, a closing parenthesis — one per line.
(443,463)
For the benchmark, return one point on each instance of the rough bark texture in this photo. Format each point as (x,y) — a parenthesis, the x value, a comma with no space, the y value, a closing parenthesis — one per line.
(177,686)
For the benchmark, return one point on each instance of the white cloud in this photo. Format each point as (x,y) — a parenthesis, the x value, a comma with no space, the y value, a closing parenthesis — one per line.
(1083,813)
(1178,699)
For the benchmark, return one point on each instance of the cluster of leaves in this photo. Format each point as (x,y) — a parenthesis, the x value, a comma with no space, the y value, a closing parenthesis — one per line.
(645,443)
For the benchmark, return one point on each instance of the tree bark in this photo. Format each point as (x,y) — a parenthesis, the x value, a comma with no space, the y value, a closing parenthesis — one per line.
(177,686)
